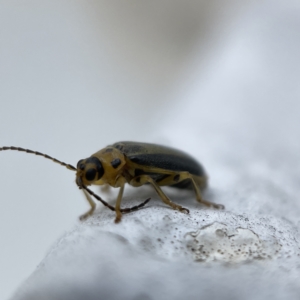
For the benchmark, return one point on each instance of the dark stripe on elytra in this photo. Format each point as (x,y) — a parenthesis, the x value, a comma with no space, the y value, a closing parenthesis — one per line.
(169,162)
(115,163)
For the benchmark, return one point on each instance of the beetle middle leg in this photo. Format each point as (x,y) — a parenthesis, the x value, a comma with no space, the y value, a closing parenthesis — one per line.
(143,179)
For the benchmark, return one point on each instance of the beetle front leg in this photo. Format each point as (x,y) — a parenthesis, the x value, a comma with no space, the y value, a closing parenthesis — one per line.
(143,179)
(118,205)
(92,204)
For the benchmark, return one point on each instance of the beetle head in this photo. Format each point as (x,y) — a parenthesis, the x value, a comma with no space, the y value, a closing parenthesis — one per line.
(88,171)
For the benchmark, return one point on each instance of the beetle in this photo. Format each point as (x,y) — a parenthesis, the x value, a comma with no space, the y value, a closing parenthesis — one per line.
(136,164)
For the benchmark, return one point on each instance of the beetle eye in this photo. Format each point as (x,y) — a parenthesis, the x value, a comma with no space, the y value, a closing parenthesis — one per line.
(90,174)
(97,164)
(80,165)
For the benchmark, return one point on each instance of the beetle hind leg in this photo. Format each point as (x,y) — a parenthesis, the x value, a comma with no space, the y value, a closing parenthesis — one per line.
(143,179)
(186,175)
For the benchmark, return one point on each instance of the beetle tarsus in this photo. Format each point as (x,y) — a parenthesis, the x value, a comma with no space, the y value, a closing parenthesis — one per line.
(184,210)
(85,216)
(218,206)
(118,219)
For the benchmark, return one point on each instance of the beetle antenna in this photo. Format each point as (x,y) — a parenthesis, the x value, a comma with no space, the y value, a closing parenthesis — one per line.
(68,166)
(133,208)
(123,210)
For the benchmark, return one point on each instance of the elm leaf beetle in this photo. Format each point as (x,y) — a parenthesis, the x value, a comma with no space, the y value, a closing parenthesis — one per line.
(136,164)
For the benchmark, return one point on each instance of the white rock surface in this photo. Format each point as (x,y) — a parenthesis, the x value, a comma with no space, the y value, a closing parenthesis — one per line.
(158,253)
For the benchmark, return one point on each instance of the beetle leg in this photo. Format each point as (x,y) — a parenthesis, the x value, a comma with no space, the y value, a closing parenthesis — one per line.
(118,205)
(92,204)
(180,176)
(143,179)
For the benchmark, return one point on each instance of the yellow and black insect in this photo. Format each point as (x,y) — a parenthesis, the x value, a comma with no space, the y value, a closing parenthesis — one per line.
(136,164)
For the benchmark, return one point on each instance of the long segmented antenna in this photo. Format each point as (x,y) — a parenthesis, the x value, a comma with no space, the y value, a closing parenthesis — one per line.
(68,166)
(123,210)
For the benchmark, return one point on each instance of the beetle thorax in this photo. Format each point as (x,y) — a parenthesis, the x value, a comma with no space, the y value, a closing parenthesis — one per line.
(103,167)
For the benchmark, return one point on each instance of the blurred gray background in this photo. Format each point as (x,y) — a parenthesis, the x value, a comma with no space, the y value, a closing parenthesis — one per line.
(218,79)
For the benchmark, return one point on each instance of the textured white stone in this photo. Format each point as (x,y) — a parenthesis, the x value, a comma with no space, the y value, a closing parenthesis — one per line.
(158,253)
